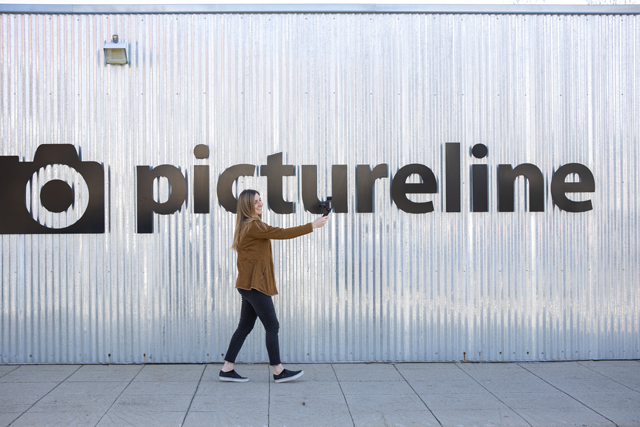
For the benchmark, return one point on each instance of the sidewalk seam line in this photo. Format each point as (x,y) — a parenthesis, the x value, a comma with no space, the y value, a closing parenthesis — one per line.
(44,395)
(600,373)
(118,397)
(270,371)
(562,391)
(16,367)
(419,397)
(500,400)
(343,396)
(194,394)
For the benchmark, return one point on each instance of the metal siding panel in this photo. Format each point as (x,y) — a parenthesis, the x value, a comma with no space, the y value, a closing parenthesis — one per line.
(329,89)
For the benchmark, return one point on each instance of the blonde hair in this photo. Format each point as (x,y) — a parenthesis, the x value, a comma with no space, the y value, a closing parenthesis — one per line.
(245,216)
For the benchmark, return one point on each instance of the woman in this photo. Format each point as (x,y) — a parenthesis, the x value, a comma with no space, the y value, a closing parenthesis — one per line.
(256,282)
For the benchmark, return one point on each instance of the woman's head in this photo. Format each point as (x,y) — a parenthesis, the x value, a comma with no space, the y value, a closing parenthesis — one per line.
(249,205)
(249,210)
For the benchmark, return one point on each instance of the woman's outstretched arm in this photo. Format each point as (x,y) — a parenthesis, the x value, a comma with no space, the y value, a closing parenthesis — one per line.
(278,233)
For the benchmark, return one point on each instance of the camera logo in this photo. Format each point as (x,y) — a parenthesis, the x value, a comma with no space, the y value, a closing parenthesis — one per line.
(56,193)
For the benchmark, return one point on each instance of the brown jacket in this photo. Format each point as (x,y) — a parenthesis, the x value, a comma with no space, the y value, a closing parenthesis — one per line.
(255,260)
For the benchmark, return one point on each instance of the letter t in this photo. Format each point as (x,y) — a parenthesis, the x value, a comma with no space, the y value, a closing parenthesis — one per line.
(274,170)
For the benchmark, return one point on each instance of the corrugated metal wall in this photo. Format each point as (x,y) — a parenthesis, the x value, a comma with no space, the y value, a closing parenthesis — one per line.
(329,89)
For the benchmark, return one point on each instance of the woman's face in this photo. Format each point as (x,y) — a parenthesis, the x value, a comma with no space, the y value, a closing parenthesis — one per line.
(258,204)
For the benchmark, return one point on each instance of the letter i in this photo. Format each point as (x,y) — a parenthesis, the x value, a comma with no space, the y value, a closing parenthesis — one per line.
(201,181)
(480,180)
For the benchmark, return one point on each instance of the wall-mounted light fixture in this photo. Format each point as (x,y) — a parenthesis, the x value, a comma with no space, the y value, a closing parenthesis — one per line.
(114,52)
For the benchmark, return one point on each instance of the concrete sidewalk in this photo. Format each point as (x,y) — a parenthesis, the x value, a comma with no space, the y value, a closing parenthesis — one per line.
(406,394)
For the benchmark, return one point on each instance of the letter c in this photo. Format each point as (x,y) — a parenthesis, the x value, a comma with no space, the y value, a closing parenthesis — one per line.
(225,185)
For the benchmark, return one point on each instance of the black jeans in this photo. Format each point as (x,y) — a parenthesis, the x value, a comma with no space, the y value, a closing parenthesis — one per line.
(256,304)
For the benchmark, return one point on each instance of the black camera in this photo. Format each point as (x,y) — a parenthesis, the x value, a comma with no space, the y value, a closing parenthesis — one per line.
(326,205)
(55,195)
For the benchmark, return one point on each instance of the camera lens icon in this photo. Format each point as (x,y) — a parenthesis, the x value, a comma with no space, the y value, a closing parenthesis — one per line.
(56,196)
(56,193)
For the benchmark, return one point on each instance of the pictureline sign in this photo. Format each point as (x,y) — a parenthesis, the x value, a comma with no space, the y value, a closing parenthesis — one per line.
(57,196)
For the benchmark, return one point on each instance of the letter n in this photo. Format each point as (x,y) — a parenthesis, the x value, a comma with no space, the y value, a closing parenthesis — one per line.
(506,186)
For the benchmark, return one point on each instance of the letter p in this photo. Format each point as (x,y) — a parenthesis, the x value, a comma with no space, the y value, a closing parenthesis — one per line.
(147,205)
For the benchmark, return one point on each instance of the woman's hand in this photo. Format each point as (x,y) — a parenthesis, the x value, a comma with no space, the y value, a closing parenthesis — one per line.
(320,222)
